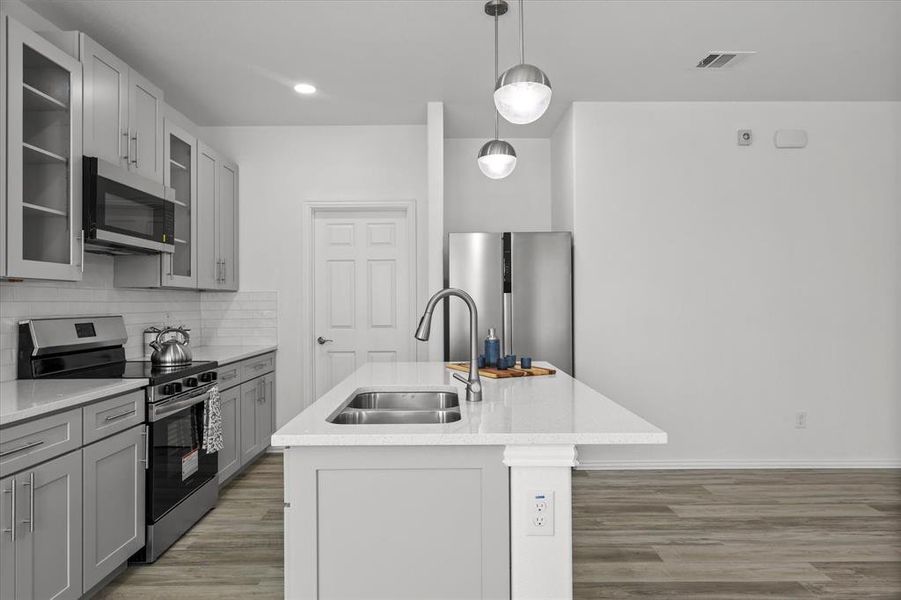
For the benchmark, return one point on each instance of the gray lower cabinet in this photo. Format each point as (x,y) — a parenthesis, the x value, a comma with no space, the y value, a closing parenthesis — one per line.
(229,457)
(248,412)
(40,552)
(250,398)
(114,484)
(265,410)
(257,403)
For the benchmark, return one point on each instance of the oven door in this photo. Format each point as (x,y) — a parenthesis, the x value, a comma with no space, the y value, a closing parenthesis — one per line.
(178,464)
(125,210)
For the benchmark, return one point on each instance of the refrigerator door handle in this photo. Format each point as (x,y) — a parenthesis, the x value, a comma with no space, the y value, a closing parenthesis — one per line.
(507,330)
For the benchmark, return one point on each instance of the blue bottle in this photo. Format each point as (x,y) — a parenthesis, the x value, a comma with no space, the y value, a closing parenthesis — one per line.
(492,348)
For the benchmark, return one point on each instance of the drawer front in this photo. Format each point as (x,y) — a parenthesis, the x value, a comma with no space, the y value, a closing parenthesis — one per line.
(113,415)
(229,376)
(25,445)
(258,365)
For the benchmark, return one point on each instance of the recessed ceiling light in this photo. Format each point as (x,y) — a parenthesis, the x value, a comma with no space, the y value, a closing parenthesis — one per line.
(305,88)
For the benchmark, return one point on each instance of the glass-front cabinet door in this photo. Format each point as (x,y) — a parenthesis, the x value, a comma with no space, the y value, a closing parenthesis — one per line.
(180,267)
(44,238)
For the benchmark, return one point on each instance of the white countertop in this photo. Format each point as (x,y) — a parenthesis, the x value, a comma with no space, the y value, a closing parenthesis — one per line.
(229,354)
(28,398)
(555,409)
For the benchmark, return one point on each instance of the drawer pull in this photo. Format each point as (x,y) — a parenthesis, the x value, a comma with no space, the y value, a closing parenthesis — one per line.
(259,366)
(231,375)
(12,511)
(120,415)
(30,485)
(23,447)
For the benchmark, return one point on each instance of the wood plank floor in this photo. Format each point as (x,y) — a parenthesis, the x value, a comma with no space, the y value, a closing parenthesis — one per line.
(789,534)
(686,535)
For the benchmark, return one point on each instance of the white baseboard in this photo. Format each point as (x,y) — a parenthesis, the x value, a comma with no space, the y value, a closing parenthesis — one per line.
(638,465)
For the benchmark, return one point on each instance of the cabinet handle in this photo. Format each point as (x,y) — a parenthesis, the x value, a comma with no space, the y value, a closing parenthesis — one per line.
(30,485)
(134,160)
(120,415)
(12,511)
(125,135)
(262,391)
(231,375)
(23,447)
(224,270)
(144,437)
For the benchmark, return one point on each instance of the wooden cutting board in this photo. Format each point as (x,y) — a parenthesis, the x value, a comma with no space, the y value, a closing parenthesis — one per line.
(492,373)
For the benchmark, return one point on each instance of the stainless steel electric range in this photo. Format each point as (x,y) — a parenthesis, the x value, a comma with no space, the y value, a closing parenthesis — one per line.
(181,478)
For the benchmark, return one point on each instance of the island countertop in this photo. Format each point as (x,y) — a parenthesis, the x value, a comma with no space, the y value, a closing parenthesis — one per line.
(554,409)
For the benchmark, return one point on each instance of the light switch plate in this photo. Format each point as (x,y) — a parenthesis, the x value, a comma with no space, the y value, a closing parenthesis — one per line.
(540,513)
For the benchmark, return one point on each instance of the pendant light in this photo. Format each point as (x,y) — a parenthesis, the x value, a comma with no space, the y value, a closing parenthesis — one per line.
(497,158)
(523,92)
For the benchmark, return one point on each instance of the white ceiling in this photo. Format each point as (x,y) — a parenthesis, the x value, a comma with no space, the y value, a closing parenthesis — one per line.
(379,62)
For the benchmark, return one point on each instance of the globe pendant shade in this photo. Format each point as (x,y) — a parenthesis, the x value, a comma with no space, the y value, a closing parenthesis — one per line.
(497,159)
(522,94)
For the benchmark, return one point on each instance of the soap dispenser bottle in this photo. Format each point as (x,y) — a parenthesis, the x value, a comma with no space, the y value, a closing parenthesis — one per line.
(492,348)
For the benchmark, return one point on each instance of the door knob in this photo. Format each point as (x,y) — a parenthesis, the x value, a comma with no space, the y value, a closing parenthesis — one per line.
(321,340)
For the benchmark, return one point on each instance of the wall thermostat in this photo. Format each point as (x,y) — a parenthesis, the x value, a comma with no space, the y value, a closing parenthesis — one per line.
(745,137)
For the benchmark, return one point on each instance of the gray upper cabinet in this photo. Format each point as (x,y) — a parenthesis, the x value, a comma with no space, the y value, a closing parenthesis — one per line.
(179,268)
(217,218)
(114,483)
(123,113)
(47,545)
(105,103)
(41,236)
(229,455)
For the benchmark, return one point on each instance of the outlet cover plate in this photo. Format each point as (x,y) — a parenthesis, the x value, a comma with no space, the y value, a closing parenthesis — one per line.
(540,513)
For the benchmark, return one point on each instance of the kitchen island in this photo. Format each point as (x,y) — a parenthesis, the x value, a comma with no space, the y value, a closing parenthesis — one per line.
(478,507)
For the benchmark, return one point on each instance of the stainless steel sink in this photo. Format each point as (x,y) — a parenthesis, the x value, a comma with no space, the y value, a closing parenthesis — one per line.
(398,407)
(405,400)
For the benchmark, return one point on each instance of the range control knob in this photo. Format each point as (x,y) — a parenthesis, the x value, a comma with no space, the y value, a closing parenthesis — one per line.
(191,382)
(176,387)
(167,389)
(208,376)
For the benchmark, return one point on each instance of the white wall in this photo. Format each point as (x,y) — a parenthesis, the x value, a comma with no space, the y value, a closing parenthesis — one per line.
(722,289)
(562,175)
(520,202)
(281,168)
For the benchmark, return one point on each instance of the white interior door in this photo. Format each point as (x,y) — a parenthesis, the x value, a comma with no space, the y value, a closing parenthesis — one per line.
(362,291)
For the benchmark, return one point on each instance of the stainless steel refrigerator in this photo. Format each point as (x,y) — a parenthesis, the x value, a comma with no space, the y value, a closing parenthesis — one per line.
(522,285)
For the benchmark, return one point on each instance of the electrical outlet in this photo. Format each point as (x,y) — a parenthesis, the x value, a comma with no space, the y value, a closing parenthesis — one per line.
(801,420)
(540,508)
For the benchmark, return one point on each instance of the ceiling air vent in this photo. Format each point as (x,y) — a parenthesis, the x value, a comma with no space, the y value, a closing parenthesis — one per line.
(723,58)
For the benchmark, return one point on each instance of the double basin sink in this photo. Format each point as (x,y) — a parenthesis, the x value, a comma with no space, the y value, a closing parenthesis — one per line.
(398,408)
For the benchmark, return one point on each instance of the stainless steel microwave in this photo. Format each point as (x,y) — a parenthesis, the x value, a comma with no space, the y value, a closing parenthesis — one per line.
(125,213)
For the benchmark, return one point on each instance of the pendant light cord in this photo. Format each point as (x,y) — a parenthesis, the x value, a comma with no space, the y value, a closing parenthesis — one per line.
(496,114)
(522,37)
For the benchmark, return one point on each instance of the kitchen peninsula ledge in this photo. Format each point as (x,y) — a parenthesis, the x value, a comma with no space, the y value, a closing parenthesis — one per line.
(545,410)
(229,354)
(26,399)
(368,495)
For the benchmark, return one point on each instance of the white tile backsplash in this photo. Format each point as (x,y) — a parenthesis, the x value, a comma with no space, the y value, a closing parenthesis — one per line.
(215,318)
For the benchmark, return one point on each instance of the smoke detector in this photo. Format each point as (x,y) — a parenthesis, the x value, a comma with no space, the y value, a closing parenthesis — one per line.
(721,59)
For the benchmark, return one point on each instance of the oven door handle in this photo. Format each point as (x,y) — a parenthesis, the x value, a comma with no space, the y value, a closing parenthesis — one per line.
(170,407)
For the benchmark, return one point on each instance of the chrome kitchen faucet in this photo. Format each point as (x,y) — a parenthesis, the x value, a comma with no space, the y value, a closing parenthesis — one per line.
(474,383)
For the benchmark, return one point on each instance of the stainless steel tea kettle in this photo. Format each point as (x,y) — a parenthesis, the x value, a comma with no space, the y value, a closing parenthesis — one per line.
(171,351)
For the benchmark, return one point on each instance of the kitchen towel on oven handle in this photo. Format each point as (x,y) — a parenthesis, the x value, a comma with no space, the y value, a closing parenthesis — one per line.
(212,422)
